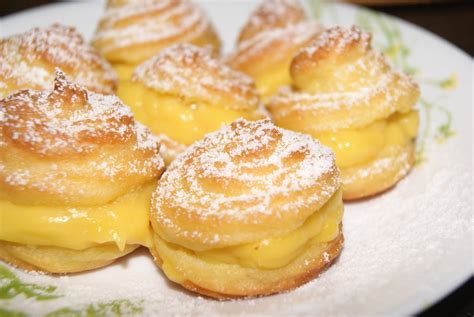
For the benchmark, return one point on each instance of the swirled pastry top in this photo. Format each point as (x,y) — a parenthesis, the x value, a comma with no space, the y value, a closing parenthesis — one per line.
(246,182)
(192,73)
(149,26)
(272,34)
(272,14)
(68,146)
(28,60)
(343,83)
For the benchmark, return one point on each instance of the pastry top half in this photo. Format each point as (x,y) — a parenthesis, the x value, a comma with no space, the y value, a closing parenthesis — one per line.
(267,42)
(340,82)
(132,31)
(246,182)
(194,75)
(28,60)
(68,146)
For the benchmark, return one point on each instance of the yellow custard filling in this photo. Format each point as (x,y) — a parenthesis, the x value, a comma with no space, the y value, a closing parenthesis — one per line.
(357,146)
(321,227)
(123,221)
(124,71)
(184,123)
(270,81)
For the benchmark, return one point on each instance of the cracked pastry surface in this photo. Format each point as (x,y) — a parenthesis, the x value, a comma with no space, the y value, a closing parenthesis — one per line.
(183,93)
(130,32)
(346,95)
(274,32)
(250,210)
(79,171)
(28,61)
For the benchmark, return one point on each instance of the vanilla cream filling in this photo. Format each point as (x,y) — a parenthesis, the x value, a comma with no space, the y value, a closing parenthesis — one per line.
(358,146)
(122,222)
(168,115)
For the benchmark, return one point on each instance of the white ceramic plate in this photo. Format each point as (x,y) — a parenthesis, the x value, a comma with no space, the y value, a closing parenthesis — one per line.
(404,249)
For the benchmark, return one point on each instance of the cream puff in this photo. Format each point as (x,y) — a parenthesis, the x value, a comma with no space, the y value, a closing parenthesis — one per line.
(130,31)
(183,93)
(250,210)
(274,32)
(28,61)
(346,95)
(76,177)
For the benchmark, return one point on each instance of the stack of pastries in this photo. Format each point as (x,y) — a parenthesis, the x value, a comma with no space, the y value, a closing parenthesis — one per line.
(346,95)
(186,160)
(79,171)
(251,209)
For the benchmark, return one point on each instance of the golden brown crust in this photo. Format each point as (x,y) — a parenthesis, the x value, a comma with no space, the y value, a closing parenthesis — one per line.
(194,75)
(133,31)
(302,270)
(246,182)
(68,146)
(339,83)
(55,260)
(269,40)
(28,60)
(272,14)
(334,42)
(272,48)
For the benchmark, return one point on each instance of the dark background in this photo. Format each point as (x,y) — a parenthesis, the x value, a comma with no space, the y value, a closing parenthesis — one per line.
(450,19)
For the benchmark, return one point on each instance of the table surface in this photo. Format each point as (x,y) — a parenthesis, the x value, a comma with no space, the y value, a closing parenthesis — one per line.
(452,20)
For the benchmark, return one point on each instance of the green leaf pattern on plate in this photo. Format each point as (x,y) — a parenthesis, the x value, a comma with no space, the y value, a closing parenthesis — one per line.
(121,307)
(11,286)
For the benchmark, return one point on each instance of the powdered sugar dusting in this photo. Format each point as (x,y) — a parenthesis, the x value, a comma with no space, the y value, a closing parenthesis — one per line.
(28,60)
(68,123)
(128,23)
(192,72)
(360,91)
(338,38)
(273,14)
(46,128)
(255,165)
(289,37)
(291,101)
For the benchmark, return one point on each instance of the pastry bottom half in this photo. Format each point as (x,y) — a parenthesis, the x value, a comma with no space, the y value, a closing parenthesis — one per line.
(392,164)
(222,280)
(63,239)
(50,259)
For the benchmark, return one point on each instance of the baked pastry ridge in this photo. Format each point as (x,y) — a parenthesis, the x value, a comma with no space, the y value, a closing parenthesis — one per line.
(28,61)
(79,172)
(130,31)
(346,95)
(183,93)
(274,32)
(250,210)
